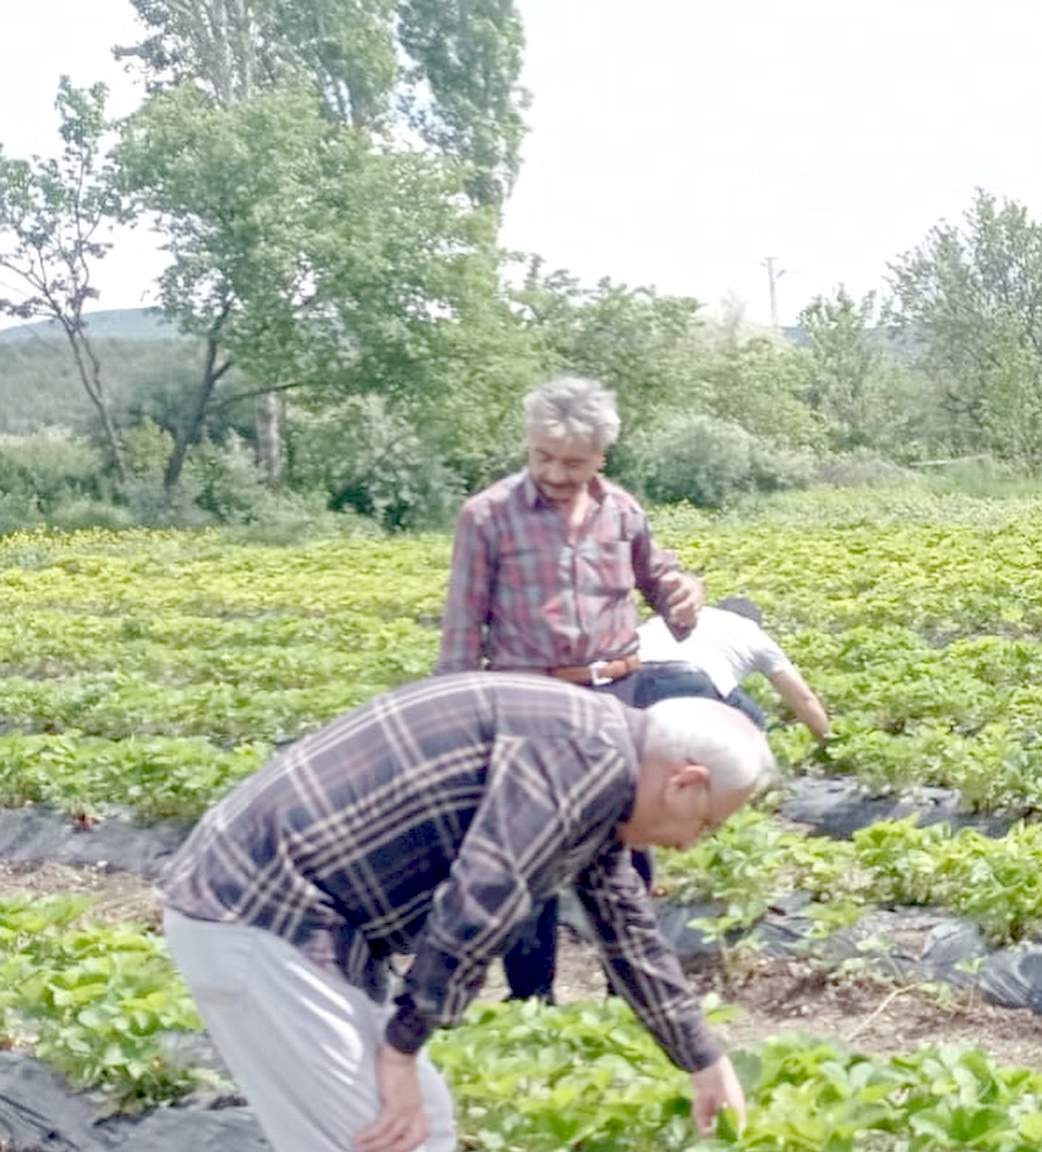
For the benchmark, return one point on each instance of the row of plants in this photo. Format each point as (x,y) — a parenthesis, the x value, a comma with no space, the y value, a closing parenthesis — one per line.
(192,636)
(755,860)
(586,1076)
(158,777)
(97,1002)
(102,1004)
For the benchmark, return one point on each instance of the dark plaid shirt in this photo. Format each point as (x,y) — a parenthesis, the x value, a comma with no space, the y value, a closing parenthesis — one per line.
(431,821)
(526,592)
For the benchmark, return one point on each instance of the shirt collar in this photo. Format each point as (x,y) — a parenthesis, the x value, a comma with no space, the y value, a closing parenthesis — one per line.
(637,724)
(535,499)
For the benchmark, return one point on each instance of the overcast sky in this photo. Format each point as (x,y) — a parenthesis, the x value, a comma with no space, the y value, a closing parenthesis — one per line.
(679,142)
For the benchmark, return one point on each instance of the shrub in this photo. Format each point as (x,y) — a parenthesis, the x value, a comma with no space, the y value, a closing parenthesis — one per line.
(696,458)
(369,457)
(854,469)
(49,467)
(776,469)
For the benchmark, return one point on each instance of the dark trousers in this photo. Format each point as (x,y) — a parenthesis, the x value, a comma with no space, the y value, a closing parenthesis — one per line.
(531,963)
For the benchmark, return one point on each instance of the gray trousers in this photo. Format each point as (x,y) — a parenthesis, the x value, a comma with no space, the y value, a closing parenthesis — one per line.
(300,1040)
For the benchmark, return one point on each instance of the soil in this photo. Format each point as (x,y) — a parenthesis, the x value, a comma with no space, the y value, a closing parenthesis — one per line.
(117,896)
(786,995)
(774,995)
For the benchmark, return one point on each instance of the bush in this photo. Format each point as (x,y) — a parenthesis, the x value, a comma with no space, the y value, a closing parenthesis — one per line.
(368,457)
(856,469)
(775,469)
(73,515)
(696,458)
(48,468)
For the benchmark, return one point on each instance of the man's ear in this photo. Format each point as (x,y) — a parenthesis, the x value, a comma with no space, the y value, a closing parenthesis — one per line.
(689,775)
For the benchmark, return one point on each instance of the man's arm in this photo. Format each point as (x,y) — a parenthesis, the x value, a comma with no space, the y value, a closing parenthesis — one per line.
(797,695)
(646,971)
(469,596)
(544,799)
(677,596)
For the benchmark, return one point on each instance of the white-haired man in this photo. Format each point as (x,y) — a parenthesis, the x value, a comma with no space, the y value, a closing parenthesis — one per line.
(544,567)
(429,822)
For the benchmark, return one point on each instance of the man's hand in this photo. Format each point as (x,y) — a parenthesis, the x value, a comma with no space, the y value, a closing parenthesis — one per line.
(717,1087)
(401,1125)
(685,597)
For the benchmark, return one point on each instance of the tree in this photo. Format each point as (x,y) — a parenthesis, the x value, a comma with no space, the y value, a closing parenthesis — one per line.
(447,70)
(53,220)
(313,261)
(638,342)
(970,298)
(846,363)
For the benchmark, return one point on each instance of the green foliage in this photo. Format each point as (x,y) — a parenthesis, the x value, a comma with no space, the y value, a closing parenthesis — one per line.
(754,860)
(447,71)
(95,1002)
(762,385)
(636,341)
(972,297)
(708,462)
(586,1077)
(43,470)
(699,459)
(366,456)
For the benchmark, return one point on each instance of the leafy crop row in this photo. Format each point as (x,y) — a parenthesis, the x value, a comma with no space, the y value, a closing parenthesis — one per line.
(95,1002)
(535,1079)
(754,860)
(918,622)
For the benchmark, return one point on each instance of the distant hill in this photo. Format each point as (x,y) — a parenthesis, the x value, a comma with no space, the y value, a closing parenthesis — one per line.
(132,324)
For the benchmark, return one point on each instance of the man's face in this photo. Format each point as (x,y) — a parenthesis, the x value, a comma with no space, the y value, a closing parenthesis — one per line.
(685,810)
(562,467)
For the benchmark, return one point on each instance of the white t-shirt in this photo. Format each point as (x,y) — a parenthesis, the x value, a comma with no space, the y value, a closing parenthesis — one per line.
(724,645)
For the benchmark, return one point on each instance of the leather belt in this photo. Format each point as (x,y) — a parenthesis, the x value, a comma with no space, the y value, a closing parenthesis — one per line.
(598,673)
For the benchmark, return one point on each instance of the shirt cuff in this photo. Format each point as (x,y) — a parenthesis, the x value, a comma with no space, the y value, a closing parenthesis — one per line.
(407,1029)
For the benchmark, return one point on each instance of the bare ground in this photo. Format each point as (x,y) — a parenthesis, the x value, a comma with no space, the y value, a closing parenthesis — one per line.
(775,995)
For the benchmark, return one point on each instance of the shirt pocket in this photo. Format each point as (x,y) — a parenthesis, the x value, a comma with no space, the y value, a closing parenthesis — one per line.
(609,566)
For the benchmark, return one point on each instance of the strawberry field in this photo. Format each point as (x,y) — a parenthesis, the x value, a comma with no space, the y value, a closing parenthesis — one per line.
(142,674)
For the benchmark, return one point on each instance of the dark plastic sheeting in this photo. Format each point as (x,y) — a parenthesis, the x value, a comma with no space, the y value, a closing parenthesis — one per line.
(1013,978)
(40,834)
(839,807)
(38,1112)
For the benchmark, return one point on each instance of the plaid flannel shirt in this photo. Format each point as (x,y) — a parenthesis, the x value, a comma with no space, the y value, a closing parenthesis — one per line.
(431,821)
(524,594)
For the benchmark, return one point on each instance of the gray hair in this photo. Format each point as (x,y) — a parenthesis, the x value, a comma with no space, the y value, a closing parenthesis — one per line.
(576,408)
(700,731)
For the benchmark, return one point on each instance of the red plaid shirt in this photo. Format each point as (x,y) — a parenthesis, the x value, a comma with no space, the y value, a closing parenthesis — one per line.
(527,592)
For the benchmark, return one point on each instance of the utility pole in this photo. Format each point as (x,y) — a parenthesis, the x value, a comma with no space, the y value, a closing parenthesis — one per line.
(773,276)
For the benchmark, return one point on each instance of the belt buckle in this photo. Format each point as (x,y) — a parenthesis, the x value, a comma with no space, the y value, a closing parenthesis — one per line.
(596,678)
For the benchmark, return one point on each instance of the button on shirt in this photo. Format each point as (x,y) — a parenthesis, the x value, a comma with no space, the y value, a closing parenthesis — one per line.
(528,592)
(724,645)
(431,821)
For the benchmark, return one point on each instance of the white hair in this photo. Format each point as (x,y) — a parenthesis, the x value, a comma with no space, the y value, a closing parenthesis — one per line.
(699,731)
(573,407)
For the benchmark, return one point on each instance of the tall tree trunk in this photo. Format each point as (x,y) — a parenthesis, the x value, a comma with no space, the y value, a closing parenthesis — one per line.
(268,423)
(188,432)
(89,370)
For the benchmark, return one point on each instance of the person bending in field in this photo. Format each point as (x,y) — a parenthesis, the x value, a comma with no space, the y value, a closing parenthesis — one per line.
(430,822)
(545,564)
(727,645)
